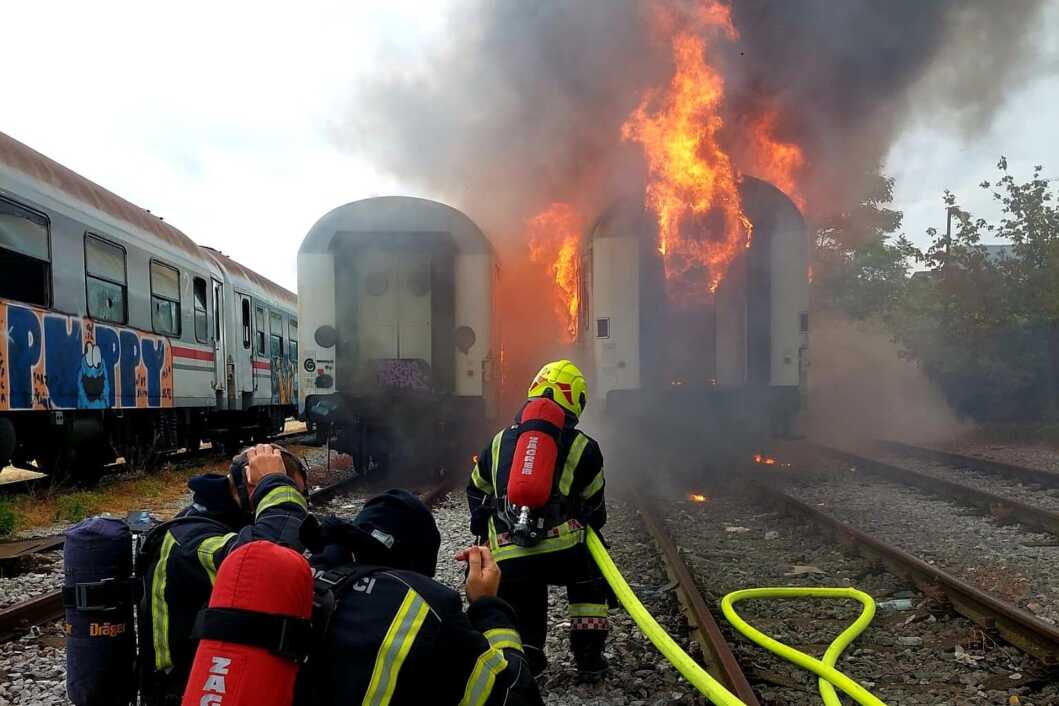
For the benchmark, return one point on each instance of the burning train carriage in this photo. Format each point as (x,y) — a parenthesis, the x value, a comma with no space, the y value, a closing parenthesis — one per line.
(120,329)
(396,297)
(733,362)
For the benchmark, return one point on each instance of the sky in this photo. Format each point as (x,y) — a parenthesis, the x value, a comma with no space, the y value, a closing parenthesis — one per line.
(221,117)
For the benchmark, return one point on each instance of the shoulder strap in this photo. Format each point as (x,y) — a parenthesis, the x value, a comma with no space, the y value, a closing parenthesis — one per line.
(282,635)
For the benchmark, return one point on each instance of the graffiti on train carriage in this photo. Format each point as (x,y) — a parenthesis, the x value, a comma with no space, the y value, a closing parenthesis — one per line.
(55,361)
(284,381)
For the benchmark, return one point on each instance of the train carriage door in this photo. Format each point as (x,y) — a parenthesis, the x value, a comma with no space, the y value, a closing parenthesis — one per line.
(377,310)
(220,381)
(413,307)
(244,356)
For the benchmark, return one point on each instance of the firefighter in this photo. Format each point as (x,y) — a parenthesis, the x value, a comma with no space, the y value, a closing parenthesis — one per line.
(560,558)
(262,497)
(396,636)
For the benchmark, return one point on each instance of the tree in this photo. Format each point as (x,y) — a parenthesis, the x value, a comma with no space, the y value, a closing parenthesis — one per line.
(859,266)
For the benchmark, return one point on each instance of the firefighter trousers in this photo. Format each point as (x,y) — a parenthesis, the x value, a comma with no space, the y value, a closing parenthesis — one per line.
(524,584)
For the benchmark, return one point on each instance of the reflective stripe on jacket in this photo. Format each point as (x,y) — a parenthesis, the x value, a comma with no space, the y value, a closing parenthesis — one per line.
(178,582)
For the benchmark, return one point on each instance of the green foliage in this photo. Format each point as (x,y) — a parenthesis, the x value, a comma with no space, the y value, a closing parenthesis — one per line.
(985,328)
(7,518)
(74,507)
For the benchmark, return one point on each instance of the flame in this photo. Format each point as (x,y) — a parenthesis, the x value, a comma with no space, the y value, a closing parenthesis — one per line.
(772,159)
(554,240)
(766,460)
(697,498)
(690,175)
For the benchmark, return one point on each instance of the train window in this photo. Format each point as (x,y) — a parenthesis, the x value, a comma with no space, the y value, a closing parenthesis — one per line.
(25,256)
(602,328)
(259,320)
(276,331)
(292,348)
(105,280)
(202,322)
(805,322)
(246,324)
(165,299)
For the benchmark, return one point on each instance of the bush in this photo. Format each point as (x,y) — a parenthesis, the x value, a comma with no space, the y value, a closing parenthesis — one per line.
(74,507)
(7,518)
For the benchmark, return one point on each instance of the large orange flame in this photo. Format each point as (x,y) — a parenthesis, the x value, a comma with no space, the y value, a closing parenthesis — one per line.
(773,159)
(554,238)
(690,175)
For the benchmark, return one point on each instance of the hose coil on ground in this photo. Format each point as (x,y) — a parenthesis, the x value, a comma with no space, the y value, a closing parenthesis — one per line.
(829,677)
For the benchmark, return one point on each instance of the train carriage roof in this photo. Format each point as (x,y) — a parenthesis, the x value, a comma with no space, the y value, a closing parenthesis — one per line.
(22,158)
(232,267)
(394,214)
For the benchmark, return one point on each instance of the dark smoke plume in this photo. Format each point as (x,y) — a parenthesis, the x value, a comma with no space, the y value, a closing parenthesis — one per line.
(522,103)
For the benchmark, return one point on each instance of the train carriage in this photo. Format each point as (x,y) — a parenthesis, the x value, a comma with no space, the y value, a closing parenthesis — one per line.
(121,331)
(395,295)
(733,364)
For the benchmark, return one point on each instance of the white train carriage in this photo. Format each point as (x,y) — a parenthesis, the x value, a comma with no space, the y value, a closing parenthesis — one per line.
(395,294)
(734,363)
(256,351)
(120,329)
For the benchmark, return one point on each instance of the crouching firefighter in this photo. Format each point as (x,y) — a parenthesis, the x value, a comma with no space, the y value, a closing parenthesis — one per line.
(263,497)
(532,492)
(391,634)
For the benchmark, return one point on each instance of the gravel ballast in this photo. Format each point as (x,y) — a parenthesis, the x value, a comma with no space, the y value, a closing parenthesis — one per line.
(908,655)
(1017,566)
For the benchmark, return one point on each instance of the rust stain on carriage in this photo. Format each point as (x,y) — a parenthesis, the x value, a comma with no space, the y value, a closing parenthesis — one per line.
(22,158)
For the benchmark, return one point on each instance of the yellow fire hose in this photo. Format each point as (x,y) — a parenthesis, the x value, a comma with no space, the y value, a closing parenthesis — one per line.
(701,679)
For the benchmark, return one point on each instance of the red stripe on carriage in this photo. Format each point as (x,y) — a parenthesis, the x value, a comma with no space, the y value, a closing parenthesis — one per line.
(262,365)
(192,353)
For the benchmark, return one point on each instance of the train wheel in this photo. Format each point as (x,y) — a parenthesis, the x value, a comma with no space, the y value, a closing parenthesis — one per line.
(55,462)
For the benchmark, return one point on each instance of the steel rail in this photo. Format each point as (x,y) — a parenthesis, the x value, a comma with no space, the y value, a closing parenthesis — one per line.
(1000,507)
(17,618)
(13,550)
(717,654)
(1018,627)
(1040,476)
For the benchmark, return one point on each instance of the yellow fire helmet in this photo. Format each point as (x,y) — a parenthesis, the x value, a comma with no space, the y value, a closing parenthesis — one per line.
(562,382)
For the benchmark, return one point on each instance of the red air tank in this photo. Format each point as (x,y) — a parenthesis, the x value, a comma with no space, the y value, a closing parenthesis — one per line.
(261,584)
(529,482)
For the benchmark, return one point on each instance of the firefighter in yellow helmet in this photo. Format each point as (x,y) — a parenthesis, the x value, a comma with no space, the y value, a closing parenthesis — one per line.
(557,555)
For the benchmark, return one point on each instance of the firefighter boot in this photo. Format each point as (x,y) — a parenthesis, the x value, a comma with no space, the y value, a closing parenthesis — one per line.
(587,645)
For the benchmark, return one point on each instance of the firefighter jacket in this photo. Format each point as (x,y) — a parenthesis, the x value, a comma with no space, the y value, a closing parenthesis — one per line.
(400,638)
(183,556)
(577,488)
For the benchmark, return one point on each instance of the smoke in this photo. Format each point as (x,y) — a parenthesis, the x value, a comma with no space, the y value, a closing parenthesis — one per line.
(860,388)
(521,104)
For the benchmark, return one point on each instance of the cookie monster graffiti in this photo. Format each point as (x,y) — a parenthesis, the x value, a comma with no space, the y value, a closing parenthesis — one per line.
(93,387)
(55,361)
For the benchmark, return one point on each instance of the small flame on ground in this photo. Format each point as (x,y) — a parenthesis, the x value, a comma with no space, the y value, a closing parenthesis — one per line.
(691,176)
(763,459)
(554,241)
(697,498)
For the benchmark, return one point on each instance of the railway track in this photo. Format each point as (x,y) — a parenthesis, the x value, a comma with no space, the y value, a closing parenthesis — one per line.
(180,457)
(1015,625)
(47,608)
(1000,507)
(719,660)
(1040,476)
